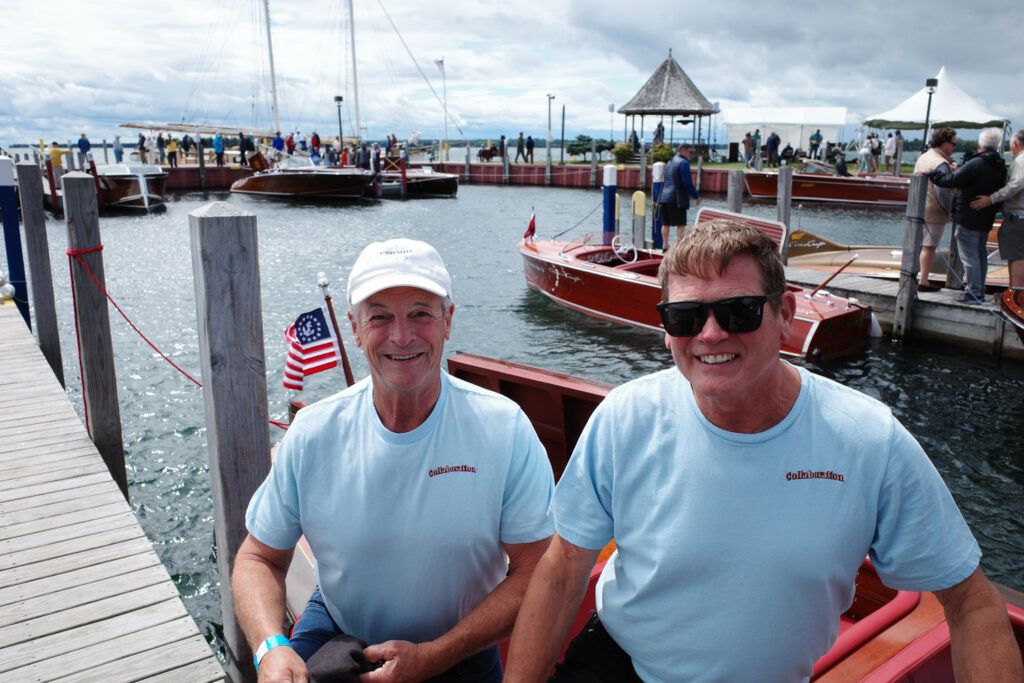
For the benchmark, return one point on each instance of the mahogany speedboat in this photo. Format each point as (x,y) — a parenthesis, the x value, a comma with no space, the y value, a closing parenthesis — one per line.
(816,182)
(1012,305)
(131,186)
(619,283)
(807,250)
(303,182)
(420,182)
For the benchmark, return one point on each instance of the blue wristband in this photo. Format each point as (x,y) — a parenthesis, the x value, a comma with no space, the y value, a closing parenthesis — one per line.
(266,646)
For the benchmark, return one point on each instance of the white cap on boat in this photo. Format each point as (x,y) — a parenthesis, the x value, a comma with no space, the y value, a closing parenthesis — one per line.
(398,263)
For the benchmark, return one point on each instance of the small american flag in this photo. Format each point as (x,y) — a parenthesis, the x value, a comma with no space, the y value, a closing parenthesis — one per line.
(440,64)
(312,347)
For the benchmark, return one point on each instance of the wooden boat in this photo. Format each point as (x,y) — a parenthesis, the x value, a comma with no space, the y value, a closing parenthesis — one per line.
(807,250)
(619,282)
(885,636)
(420,182)
(131,186)
(303,182)
(1012,305)
(816,182)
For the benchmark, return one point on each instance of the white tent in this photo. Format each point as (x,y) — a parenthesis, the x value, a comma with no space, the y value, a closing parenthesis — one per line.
(794,125)
(951,106)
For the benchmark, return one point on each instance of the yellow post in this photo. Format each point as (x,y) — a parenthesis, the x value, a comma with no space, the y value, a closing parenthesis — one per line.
(638,203)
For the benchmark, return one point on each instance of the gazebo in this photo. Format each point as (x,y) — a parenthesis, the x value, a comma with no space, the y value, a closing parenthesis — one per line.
(670,92)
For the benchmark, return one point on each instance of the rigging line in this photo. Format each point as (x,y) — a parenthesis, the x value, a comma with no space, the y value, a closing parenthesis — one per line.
(599,205)
(416,64)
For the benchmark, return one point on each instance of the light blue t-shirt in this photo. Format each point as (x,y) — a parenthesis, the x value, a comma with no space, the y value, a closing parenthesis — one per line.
(406,528)
(736,553)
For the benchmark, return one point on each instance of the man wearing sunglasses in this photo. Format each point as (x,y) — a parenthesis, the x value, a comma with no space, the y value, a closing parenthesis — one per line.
(742,491)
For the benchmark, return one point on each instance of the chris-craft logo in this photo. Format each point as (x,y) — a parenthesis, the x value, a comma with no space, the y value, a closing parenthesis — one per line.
(808,474)
(450,468)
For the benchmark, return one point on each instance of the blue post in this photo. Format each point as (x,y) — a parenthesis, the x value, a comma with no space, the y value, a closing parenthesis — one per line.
(657,180)
(12,238)
(608,187)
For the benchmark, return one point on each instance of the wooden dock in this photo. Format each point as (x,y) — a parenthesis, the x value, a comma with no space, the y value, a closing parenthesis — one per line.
(937,316)
(83,596)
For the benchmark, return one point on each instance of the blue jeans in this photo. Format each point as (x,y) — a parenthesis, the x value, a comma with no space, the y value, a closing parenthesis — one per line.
(315,627)
(974,256)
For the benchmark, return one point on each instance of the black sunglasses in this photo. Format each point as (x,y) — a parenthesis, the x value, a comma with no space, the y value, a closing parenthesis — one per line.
(735,315)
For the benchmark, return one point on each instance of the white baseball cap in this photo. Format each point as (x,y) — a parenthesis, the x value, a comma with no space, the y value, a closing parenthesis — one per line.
(398,263)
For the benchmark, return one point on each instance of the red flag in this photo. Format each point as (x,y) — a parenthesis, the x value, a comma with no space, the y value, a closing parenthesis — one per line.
(440,64)
(533,226)
(312,347)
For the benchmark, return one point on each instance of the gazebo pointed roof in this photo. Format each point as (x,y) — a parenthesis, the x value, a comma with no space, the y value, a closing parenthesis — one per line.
(668,91)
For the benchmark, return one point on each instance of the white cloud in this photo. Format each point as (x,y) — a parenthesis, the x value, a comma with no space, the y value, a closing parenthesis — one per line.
(70,65)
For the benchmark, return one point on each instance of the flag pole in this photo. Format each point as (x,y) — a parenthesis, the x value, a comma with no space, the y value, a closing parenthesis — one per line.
(321,280)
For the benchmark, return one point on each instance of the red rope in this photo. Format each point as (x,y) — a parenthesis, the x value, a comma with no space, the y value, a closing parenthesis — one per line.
(74,254)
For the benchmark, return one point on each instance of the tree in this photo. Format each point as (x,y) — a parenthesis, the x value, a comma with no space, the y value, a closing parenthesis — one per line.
(581,145)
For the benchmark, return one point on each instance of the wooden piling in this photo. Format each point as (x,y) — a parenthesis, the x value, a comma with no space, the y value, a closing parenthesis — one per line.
(30,182)
(643,166)
(466,178)
(638,205)
(504,164)
(593,162)
(202,162)
(225,264)
(103,416)
(913,229)
(700,171)
(784,204)
(734,191)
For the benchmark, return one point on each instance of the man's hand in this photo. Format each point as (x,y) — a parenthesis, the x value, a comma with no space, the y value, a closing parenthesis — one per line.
(282,665)
(981,202)
(403,661)
(697,202)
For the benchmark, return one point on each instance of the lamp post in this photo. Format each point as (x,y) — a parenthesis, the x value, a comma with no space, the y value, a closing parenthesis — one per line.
(341,138)
(930,84)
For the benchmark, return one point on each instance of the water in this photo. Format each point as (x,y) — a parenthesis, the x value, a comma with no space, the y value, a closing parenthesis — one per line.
(964,408)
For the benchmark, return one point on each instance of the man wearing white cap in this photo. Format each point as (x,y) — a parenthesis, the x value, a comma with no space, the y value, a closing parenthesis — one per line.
(423,498)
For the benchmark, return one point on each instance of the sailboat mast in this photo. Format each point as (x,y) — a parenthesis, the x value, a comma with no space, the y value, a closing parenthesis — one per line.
(270,54)
(355,79)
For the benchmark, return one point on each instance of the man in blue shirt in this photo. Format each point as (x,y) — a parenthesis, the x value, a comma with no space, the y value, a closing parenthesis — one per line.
(739,487)
(83,151)
(676,191)
(422,497)
(278,146)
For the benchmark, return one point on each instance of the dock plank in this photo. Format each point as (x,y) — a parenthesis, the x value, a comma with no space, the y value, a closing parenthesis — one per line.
(83,596)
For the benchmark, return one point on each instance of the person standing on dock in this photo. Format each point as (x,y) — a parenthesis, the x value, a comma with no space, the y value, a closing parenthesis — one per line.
(160,146)
(218,148)
(83,151)
(520,147)
(529,149)
(676,191)
(772,147)
(172,151)
(1011,195)
(736,485)
(278,147)
(118,149)
(748,150)
(890,151)
(57,160)
(422,497)
(815,143)
(938,201)
(981,174)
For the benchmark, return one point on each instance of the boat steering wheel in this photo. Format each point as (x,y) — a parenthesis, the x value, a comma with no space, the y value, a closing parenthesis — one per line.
(623,247)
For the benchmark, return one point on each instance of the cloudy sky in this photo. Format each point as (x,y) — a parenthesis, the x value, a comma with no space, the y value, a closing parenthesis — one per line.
(72,66)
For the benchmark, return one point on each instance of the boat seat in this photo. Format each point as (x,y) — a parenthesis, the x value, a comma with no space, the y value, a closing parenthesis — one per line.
(647,266)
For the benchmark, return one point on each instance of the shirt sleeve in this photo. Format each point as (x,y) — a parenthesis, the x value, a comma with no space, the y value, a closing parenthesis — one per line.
(273,516)
(1013,187)
(921,540)
(528,488)
(582,506)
